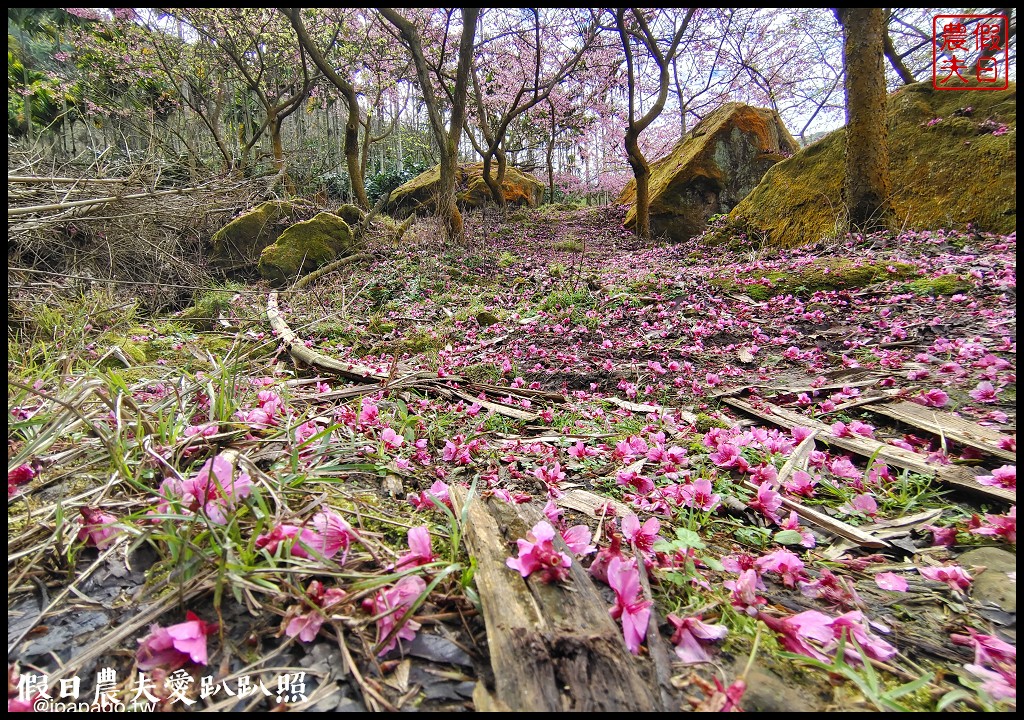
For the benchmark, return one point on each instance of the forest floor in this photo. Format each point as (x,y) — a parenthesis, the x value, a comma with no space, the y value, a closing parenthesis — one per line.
(818,444)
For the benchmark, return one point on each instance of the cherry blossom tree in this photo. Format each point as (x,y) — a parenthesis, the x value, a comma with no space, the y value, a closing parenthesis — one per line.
(636,35)
(456,92)
(515,69)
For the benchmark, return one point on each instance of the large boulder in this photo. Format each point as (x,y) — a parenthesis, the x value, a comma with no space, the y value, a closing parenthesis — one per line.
(711,169)
(240,242)
(952,160)
(305,246)
(470,189)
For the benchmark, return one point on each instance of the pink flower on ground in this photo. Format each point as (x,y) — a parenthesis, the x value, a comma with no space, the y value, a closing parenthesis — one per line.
(700,494)
(839,430)
(97,528)
(334,534)
(641,537)
(863,504)
(295,539)
(934,398)
(996,525)
(800,483)
(215,489)
(953,575)
(599,567)
(391,439)
(624,579)
(944,536)
(174,646)
(744,591)
(550,475)
(796,631)
(537,553)
(891,581)
(19,476)
(552,512)
(999,685)
(631,478)
(785,562)
(843,467)
(306,625)
(768,501)
(395,602)
(439,490)
(984,392)
(581,451)
(420,550)
(690,636)
(793,523)
(861,428)
(988,649)
(577,538)
(1004,477)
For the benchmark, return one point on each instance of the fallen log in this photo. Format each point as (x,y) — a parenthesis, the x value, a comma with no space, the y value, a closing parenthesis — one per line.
(553,648)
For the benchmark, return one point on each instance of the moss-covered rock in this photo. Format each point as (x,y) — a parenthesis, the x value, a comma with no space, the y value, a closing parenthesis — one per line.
(711,169)
(305,246)
(952,159)
(819,274)
(352,214)
(241,241)
(948,284)
(470,189)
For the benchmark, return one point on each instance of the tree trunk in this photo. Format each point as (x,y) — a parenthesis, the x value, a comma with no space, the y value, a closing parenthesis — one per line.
(355,166)
(867,183)
(447,209)
(642,174)
(494,185)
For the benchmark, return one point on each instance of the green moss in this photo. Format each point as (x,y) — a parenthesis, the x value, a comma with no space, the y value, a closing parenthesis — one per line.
(569,245)
(706,422)
(946,175)
(419,341)
(821,274)
(352,214)
(305,246)
(242,239)
(136,352)
(948,284)
(507,259)
(208,307)
(482,372)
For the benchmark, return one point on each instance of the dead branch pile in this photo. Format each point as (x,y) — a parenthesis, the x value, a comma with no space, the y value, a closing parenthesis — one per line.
(73,226)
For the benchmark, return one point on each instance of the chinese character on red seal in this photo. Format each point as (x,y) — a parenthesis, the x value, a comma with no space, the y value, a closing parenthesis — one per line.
(969,52)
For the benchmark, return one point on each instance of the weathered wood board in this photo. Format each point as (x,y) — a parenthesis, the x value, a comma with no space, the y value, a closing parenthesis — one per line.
(554,648)
(954,475)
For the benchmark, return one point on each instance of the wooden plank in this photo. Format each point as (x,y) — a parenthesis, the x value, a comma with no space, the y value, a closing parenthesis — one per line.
(955,475)
(554,648)
(949,426)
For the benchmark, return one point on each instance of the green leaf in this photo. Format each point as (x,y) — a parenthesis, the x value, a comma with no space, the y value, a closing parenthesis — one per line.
(788,537)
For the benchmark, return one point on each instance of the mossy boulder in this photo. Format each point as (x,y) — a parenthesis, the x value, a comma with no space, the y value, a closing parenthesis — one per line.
(305,246)
(952,160)
(711,169)
(817,274)
(240,242)
(352,214)
(471,189)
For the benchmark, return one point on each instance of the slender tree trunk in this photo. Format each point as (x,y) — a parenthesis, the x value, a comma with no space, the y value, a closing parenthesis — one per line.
(494,185)
(867,184)
(642,174)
